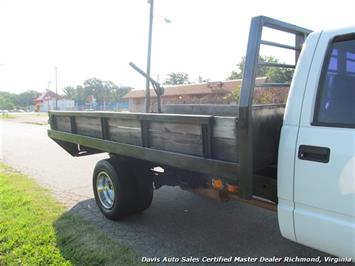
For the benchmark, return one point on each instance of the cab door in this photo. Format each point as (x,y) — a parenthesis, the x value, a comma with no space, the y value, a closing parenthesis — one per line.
(324,181)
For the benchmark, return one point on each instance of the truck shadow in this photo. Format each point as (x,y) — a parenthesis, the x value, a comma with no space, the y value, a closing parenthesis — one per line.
(181,224)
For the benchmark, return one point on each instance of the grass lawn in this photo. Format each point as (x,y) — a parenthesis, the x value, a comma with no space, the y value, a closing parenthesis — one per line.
(35,230)
(41,114)
(7,116)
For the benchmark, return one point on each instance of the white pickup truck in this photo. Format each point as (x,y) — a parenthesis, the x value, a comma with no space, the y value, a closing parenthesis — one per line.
(298,159)
(316,160)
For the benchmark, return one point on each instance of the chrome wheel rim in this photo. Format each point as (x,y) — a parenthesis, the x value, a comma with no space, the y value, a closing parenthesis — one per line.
(105,190)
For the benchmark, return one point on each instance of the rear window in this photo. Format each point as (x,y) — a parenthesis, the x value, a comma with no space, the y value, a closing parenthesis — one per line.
(336,93)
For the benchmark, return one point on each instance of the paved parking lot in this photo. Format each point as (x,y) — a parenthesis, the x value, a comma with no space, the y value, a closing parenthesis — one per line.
(177,224)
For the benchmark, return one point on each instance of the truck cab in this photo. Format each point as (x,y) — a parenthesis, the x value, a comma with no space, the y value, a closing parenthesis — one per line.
(316,160)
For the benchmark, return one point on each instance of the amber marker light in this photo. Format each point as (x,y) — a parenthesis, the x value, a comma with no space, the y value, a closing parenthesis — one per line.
(232,188)
(217,183)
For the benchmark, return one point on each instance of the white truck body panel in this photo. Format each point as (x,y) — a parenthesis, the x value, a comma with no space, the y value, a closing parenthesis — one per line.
(288,139)
(323,203)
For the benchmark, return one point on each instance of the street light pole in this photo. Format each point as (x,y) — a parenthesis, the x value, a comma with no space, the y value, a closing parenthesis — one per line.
(147,82)
(56,88)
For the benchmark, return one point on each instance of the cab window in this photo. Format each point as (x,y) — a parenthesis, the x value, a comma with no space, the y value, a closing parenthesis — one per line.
(336,93)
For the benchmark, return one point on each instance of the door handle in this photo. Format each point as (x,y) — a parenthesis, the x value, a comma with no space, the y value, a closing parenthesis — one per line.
(314,153)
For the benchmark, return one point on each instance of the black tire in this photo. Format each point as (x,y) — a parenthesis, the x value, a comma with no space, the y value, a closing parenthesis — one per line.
(144,187)
(124,202)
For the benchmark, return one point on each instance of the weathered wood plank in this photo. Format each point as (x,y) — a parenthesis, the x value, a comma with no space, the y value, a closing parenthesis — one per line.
(88,126)
(178,128)
(202,109)
(224,143)
(63,123)
(225,149)
(124,122)
(170,118)
(174,142)
(225,127)
(125,131)
(176,137)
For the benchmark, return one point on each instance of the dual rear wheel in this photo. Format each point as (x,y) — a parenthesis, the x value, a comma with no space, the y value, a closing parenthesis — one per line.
(121,187)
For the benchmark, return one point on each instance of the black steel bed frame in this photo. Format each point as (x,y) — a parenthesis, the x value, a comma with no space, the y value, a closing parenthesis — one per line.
(246,149)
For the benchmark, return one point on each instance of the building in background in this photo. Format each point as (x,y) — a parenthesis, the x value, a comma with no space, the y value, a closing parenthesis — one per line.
(47,101)
(220,92)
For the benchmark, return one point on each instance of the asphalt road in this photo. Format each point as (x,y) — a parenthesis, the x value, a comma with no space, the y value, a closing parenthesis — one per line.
(177,224)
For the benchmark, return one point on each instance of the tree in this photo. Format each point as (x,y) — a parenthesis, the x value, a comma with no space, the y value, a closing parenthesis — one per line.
(7,100)
(103,91)
(81,95)
(95,87)
(280,75)
(70,92)
(177,78)
(6,103)
(118,92)
(238,74)
(25,99)
(201,79)
(274,74)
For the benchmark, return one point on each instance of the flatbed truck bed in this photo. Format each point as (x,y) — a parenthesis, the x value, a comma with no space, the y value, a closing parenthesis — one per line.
(241,150)
(204,144)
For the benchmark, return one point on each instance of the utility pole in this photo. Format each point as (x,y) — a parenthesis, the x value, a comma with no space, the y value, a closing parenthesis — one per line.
(56,88)
(48,98)
(147,82)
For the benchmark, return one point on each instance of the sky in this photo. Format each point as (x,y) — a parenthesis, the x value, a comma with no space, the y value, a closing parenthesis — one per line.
(92,38)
